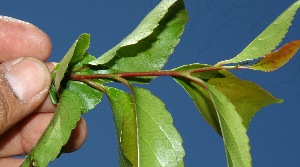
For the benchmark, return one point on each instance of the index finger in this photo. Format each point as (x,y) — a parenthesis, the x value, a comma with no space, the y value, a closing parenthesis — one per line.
(22,39)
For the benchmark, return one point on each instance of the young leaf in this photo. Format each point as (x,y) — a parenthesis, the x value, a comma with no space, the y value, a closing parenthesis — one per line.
(247,97)
(275,60)
(233,131)
(58,131)
(268,39)
(156,140)
(150,44)
(75,53)
(82,68)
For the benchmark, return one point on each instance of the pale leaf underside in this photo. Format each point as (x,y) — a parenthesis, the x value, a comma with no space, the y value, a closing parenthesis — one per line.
(151,138)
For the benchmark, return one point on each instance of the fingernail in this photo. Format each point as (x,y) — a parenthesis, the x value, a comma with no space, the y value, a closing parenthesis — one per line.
(27,77)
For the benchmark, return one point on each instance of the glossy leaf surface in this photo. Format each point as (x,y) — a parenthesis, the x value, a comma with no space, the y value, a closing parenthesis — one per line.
(143,30)
(154,140)
(89,96)
(160,143)
(150,44)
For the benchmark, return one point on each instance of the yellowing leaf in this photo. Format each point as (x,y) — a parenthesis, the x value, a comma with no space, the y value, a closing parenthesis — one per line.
(275,60)
(246,96)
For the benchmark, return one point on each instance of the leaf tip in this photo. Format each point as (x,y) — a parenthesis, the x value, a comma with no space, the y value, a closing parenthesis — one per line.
(279,101)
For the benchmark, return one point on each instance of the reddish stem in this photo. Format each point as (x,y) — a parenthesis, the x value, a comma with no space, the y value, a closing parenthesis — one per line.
(126,75)
(144,74)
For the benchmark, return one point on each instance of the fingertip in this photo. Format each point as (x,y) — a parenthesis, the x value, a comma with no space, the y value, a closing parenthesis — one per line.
(22,39)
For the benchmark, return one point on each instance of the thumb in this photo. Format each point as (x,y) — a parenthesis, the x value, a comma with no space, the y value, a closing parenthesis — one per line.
(24,84)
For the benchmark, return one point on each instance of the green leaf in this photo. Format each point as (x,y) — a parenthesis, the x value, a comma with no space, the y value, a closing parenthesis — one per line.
(126,126)
(160,143)
(88,95)
(53,95)
(220,113)
(145,130)
(268,39)
(82,44)
(202,101)
(149,45)
(58,131)
(247,97)
(200,95)
(76,98)
(75,53)
(82,67)
(277,59)
(234,133)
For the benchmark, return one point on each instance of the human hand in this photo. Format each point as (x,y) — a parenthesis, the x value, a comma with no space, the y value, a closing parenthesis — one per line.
(25,109)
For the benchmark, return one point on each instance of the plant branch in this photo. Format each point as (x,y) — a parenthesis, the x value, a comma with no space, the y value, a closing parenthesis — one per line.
(170,73)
